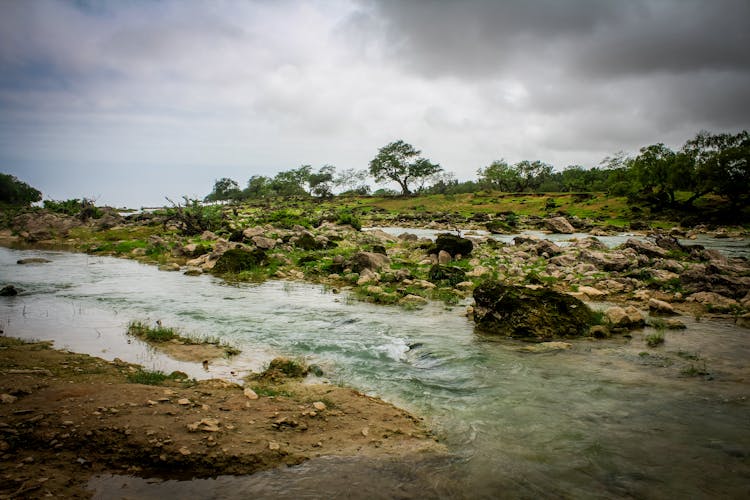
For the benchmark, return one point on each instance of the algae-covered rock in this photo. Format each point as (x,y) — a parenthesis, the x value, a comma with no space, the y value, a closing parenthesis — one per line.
(446,275)
(521,312)
(237,260)
(454,245)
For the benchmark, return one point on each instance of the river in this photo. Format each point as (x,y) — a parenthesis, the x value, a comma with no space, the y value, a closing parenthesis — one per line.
(605,419)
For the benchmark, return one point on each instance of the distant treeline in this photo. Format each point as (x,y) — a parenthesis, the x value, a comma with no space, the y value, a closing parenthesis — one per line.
(708,163)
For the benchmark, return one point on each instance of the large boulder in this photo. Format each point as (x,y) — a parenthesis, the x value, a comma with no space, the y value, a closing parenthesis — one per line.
(454,245)
(521,312)
(237,260)
(645,248)
(613,261)
(624,318)
(368,260)
(559,225)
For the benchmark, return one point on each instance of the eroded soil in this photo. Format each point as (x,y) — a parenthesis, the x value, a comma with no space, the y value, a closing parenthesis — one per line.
(65,417)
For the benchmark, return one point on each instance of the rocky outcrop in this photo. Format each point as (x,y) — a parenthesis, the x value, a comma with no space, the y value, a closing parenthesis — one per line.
(645,248)
(714,301)
(237,260)
(613,261)
(559,225)
(522,312)
(711,278)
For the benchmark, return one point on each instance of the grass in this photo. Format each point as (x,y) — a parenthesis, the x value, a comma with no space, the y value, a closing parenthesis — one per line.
(152,334)
(655,339)
(148,377)
(160,334)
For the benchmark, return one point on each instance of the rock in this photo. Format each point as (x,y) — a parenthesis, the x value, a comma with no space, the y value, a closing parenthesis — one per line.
(613,261)
(589,243)
(645,248)
(478,271)
(599,332)
(205,425)
(464,285)
(273,445)
(628,318)
(559,225)
(521,312)
(237,260)
(194,250)
(591,292)
(250,394)
(498,227)
(264,243)
(454,245)
(446,275)
(546,347)
(412,299)
(9,291)
(368,260)
(193,271)
(250,232)
(169,267)
(548,248)
(444,258)
(674,324)
(7,399)
(709,278)
(367,276)
(660,307)
(208,236)
(714,301)
(33,260)
(319,405)
(381,236)
(408,237)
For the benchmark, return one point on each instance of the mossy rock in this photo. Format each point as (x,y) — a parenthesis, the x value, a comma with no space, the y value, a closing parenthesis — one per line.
(237,260)
(537,314)
(454,245)
(498,227)
(446,275)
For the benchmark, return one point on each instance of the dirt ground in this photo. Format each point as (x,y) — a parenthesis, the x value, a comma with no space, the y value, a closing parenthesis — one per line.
(65,417)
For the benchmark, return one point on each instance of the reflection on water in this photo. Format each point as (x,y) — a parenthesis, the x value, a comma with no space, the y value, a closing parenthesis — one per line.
(604,419)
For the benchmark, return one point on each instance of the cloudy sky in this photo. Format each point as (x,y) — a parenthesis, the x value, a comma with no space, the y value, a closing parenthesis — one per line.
(130,101)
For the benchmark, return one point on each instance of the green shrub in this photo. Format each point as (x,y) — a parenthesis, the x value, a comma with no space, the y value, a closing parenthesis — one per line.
(346,216)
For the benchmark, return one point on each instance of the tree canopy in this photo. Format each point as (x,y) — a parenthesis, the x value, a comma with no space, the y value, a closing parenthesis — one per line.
(400,162)
(17,193)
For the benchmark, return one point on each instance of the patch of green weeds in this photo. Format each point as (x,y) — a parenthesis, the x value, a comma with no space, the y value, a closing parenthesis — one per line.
(148,377)
(655,339)
(151,334)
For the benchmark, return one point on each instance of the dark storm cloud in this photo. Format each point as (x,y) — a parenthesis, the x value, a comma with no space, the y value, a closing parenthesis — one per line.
(600,37)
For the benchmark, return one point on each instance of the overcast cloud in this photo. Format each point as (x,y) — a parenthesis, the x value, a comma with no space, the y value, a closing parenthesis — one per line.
(132,101)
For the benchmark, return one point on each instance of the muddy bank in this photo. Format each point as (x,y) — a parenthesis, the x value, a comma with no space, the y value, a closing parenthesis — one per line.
(66,417)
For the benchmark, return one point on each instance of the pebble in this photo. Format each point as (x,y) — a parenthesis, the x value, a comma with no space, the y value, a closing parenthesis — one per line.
(250,394)
(319,405)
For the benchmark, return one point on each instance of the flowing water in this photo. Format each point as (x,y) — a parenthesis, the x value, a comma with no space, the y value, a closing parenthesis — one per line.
(604,419)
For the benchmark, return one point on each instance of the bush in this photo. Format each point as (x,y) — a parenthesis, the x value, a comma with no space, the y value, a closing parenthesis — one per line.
(194,217)
(346,217)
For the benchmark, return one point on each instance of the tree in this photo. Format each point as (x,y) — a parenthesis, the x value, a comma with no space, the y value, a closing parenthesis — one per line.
(321,183)
(292,182)
(501,176)
(15,192)
(401,163)
(258,186)
(533,174)
(722,165)
(352,180)
(224,189)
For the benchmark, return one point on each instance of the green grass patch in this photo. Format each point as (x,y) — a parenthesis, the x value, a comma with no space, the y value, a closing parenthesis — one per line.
(654,339)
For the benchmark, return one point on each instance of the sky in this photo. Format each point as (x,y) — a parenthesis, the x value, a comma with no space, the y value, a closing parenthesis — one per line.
(131,101)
